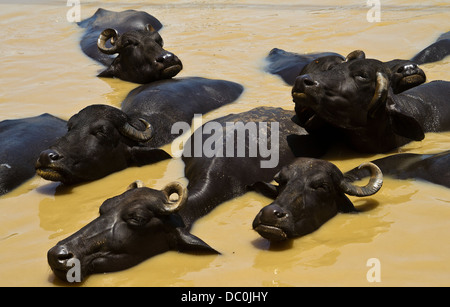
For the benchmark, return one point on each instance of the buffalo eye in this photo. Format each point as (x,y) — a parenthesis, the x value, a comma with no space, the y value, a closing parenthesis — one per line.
(129,42)
(100,133)
(362,76)
(138,218)
(159,41)
(320,186)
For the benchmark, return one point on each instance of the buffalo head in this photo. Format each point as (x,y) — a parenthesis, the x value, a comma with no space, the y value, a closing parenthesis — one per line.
(100,140)
(356,94)
(132,227)
(404,74)
(141,57)
(310,192)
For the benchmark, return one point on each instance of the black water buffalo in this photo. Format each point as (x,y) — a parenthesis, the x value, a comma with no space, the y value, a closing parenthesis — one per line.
(309,193)
(21,141)
(435,52)
(356,98)
(131,227)
(222,159)
(433,168)
(129,44)
(404,74)
(102,139)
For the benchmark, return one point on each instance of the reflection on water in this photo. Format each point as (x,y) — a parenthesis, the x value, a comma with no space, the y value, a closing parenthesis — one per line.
(404,225)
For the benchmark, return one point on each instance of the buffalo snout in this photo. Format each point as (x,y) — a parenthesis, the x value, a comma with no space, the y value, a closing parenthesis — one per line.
(58,258)
(303,83)
(49,156)
(171,64)
(272,222)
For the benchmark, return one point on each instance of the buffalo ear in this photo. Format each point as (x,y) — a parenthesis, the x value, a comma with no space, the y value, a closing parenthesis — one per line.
(344,204)
(107,73)
(264,188)
(405,125)
(144,155)
(187,242)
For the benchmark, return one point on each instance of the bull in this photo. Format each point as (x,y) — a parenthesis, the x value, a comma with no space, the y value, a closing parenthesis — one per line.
(356,98)
(102,139)
(129,44)
(308,194)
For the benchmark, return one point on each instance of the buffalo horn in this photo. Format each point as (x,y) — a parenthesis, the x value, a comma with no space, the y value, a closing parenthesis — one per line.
(180,190)
(375,182)
(356,54)
(108,34)
(138,135)
(380,93)
(136,185)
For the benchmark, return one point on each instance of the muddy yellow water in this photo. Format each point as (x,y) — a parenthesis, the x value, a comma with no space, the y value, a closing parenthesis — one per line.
(406,226)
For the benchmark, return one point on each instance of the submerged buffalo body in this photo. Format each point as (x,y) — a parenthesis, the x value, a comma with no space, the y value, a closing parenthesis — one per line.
(433,168)
(129,44)
(289,65)
(102,139)
(435,52)
(21,141)
(356,97)
(142,222)
(309,193)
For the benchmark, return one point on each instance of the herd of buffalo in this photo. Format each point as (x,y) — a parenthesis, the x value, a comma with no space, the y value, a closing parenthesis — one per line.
(369,105)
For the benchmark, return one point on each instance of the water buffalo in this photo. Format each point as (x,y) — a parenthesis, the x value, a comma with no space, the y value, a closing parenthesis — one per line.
(102,139)
(429,167)
(129,44)
(309,193)
(356,98)
(21,141)
(435,52)
(404,74)
(137,225)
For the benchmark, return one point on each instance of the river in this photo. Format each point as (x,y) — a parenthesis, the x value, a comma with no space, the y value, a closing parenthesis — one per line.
(405,226)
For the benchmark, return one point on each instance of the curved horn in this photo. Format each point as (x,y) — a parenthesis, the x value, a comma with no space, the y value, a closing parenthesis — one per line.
(135,134)
(108,34)
(375,182)
(171,188)
(380,93)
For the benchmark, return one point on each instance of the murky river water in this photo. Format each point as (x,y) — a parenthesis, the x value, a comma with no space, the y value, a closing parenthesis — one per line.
(405,226)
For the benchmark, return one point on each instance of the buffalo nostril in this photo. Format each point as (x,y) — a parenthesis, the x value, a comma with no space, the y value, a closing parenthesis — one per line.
(272,213)
(59,254)
(409,68)
(48,156)
(308,82)
(305,81)
(279,214)
(165,57)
